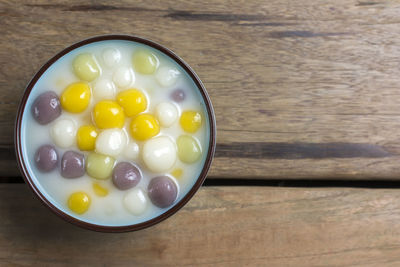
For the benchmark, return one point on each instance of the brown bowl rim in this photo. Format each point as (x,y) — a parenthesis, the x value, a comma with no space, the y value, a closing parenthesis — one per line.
(104,228)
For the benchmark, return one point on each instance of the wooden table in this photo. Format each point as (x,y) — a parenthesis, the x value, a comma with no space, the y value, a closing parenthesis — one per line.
(306,94)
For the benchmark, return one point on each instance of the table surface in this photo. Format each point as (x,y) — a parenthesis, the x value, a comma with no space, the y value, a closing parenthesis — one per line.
(302,90)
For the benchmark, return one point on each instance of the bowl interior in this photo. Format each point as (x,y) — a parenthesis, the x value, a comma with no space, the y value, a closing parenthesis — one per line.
(26,126)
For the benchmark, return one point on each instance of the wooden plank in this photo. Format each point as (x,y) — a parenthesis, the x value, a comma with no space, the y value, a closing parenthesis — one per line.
(221,226)
(310,77)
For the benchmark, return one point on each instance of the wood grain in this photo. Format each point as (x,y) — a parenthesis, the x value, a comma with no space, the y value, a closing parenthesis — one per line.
(301,75)
(221,226)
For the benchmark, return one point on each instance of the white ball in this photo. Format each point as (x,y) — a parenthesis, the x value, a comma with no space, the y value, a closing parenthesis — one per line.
(166,113)
(167,76)
(123,77)
(111,142)
(104,89)
(111,57)
(135,201)
(132,151)
(159,154)
(63,133)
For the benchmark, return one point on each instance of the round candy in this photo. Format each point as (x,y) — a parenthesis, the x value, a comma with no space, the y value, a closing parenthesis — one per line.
(72,165)
(135,201)
(123,77)
(100,190)
(145,62)
(166,114)
(86,137)
(104,89)
(190,121)
(132,101)
(46,108)
(159,154)
(85,67)
(167,76)
(131,151)
(144,126)
(99,166)
(162,191)
(178,95)
(79,202)
(108,114)
(111,142)
(46,158)
(111,57)
(126,175)
(76,97)
(189,150)
(63,133)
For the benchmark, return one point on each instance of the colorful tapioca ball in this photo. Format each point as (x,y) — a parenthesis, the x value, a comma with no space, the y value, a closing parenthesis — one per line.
(159,154)
(189,149)
(79,202)
(135,201)
(72,164)
(99,166)
(162,191)
(190,121)
(46,108)
(111,57)
(145,62)
(85,67)
(126,175)
(108,114)
(111,142)
(76,97)
(63,133)
(144,126)
(166,113)
(86,137)
(166,76)
(132,101)
(46,158)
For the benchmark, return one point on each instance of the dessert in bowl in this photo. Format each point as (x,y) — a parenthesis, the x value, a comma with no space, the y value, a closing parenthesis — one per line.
(115,133)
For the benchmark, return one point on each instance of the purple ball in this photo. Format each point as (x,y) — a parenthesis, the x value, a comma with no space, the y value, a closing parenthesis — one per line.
(178,95)
(162,191)
(126,175)
(72,165)
(46,158)
(46,107)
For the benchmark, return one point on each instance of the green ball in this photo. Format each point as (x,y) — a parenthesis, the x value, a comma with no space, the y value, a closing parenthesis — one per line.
(99,166)
(189,150)
(85,67)
(145,62)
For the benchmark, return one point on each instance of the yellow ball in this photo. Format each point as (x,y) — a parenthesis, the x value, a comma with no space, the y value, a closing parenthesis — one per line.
(190,121)
(145,62)
(86,137)
(76,97)
(108,114)
(79,202)
(132,101)
(144,126)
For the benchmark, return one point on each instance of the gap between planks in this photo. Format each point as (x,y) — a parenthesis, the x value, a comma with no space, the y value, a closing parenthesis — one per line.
(289,183)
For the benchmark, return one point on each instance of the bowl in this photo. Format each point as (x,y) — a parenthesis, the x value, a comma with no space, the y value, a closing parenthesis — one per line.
(32,179)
